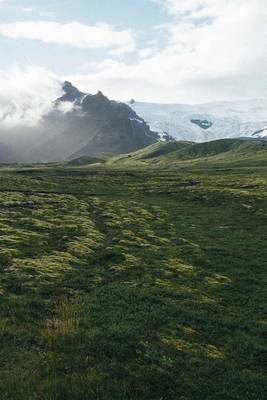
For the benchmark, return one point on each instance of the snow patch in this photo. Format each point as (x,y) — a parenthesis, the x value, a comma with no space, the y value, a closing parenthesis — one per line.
(140,121)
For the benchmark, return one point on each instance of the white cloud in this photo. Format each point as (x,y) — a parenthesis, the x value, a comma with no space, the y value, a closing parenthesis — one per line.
(47,14)
(42,14)
(73,33)
(215,49)
(26,95)
(27,9)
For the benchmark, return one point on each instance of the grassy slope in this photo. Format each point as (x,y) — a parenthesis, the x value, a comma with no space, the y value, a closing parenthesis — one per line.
(135,284)
(219,151)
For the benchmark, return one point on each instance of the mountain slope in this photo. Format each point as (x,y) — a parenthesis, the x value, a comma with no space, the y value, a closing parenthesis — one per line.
(93,125)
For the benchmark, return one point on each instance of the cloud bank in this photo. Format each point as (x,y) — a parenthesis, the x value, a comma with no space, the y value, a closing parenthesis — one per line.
(214,49)
(26,95)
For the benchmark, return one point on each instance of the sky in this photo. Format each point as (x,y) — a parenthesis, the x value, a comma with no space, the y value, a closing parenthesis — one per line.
(169,51)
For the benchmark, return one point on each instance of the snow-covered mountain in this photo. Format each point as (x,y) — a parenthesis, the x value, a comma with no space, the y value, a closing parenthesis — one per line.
(205,122)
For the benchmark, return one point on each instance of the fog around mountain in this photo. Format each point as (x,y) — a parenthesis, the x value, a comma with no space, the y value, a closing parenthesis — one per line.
(42,120)
(39,129)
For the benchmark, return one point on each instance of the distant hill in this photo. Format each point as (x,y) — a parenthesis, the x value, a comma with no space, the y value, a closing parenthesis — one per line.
(85,160)
(219,151)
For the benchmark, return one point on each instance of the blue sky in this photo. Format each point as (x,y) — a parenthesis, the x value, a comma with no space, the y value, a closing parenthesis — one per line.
(138,15)
(184,51)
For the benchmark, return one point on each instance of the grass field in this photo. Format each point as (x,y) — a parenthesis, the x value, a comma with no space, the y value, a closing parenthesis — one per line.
(133,282)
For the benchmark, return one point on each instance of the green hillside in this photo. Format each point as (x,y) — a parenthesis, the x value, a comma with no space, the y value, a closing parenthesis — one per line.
(142,278)
(218,151)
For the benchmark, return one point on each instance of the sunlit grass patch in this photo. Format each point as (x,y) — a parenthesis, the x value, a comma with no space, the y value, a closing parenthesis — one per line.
(218,279)
(64,321)
(193,349)
(175,265)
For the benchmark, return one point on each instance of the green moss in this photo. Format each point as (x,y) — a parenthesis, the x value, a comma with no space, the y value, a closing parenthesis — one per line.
(123,282)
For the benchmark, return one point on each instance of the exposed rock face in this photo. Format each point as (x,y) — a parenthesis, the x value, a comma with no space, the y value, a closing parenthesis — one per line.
(71,93)
(165,137)
(112,127)
(204,124)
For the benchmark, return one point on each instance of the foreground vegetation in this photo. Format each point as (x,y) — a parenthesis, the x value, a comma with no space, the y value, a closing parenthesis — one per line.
(134,283)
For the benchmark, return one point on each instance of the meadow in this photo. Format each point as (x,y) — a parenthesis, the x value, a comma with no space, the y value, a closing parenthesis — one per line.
(133,281)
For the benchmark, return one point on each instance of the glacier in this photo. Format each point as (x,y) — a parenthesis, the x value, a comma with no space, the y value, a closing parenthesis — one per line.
(245,118)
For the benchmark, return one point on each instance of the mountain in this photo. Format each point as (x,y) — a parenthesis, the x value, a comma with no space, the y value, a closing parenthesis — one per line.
(223,151)
(80,124)
(205,122)
(91,126)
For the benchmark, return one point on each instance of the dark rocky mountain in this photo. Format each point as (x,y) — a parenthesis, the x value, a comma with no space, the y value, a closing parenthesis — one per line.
(71,94)
(81,124)
(165,137)
(112,127)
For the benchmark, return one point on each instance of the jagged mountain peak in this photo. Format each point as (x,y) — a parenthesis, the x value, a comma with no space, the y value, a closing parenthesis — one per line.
(71,93)
(101,107)
(83,124)
(68,86)
(100,94)
(93,126)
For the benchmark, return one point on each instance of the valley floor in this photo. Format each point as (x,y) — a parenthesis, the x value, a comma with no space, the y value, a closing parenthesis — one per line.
(133,284)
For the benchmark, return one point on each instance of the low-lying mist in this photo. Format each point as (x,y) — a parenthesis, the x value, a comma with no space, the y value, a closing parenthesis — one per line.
(29,116)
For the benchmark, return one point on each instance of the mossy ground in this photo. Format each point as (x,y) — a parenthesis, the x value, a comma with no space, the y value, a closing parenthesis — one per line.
(133,284)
